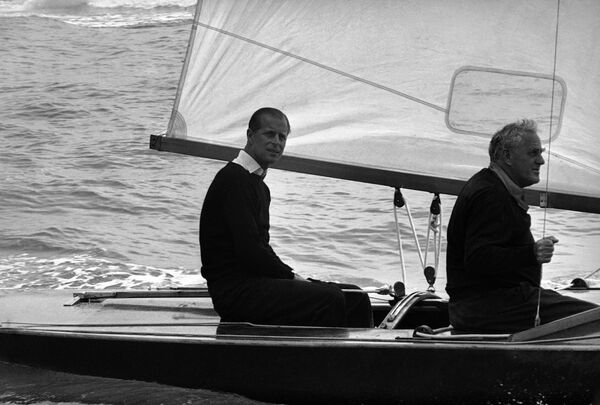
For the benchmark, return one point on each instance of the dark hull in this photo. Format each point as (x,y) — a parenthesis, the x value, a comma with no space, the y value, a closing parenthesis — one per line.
(183,346)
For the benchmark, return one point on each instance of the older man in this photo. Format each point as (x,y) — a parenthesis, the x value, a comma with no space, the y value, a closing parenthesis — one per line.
(246,279)
(493,262)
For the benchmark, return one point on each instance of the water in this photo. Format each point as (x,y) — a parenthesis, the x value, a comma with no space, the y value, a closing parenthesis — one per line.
(27,385)
(84,203)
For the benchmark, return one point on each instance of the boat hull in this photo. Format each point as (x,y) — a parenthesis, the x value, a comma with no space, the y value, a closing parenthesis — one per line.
(180,343)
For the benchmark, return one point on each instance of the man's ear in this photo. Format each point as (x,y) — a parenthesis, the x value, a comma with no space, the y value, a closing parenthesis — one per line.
(249,134)
(506,158)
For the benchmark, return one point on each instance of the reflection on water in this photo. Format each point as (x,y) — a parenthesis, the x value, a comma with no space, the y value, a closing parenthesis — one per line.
(33,386)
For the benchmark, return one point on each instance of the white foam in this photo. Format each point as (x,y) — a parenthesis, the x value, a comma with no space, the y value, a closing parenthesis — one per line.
(103,13)
(85,271)
(144,4)
(120,20)
(53,4)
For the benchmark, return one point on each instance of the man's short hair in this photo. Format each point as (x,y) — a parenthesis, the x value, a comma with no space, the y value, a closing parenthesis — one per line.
(255,121)
(509,137)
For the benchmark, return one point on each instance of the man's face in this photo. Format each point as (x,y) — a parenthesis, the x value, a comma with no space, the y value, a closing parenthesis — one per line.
(525,160)
(267,143)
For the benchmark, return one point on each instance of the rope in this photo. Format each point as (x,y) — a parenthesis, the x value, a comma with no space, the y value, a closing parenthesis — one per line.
(537,321)
(416,238)
(438,245)
(434,224)
(592,273)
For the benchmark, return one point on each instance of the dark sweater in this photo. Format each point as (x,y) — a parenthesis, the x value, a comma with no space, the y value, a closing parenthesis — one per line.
(234,229)
(490,245)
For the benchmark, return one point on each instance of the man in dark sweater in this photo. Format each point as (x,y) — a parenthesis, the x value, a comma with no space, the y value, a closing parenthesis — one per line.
(493,262)
(246,279)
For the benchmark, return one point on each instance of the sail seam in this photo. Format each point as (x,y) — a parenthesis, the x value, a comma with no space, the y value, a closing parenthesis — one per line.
(325,67)
(574,162)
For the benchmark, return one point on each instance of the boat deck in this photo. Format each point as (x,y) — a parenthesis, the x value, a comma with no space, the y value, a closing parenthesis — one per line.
(190,317)
(172,317)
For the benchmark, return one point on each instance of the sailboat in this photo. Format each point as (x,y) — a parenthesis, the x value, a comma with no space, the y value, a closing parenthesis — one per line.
(403,94)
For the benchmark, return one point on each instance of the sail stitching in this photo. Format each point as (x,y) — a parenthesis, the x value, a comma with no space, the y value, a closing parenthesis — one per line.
(325,67)
(574,162)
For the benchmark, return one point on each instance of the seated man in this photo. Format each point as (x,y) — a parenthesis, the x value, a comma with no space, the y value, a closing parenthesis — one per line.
(493,262)
(246,279)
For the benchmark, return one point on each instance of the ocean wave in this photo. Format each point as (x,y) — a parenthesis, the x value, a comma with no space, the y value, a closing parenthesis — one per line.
(142,4)
(50,110)
(87,271)
(54,4)
(78,4)
(104,13)
(55,241)
(130,21)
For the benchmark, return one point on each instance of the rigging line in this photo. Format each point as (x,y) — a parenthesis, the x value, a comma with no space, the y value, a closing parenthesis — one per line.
(438,246)
(551,114)
(537,314)
(414,232)
(592,273)
(400,251)
(325,67)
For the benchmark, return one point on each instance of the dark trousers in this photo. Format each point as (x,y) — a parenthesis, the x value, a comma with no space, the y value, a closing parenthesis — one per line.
(291,302)
(512,310)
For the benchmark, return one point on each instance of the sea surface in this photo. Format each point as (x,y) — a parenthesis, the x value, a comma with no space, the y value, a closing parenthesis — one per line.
(84,202)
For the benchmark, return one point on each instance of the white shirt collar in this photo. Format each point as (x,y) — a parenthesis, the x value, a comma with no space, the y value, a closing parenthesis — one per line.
(513,188)
(247,162)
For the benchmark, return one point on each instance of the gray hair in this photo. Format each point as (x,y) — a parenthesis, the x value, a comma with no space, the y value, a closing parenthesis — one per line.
(509,137)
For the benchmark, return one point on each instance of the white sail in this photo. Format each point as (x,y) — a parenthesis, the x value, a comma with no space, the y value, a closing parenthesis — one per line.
(405,86)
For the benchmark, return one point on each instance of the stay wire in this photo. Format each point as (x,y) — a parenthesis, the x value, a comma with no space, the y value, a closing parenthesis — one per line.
(544,220)
(400,250)
(414,233)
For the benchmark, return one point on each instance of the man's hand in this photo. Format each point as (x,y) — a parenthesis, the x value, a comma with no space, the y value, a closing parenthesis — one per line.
(544,249)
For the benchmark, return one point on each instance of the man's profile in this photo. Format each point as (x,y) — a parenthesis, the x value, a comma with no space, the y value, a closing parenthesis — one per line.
(493,262)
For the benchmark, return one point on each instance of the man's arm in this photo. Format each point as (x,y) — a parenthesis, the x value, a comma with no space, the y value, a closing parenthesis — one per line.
(489,244)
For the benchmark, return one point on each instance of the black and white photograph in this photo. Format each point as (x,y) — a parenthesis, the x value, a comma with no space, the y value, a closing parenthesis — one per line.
(300,202)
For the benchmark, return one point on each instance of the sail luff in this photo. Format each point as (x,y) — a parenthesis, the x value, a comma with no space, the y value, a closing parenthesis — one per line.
(171,129)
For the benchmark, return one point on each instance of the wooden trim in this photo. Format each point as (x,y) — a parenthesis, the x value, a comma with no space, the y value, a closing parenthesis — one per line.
(578,325)
(371,175)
